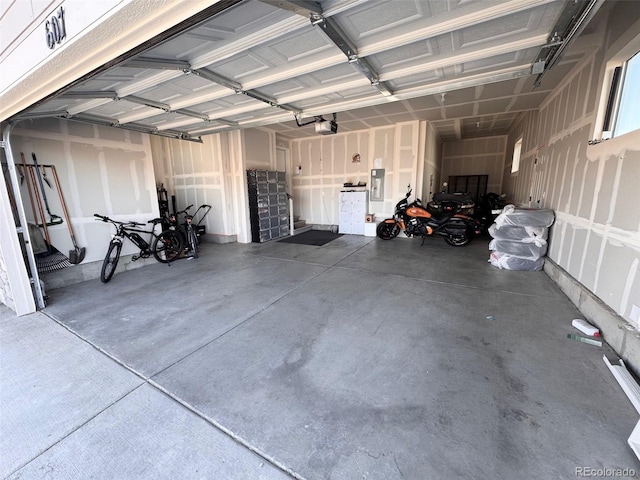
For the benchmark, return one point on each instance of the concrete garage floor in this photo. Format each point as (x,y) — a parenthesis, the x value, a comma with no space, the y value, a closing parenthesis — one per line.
(360,359)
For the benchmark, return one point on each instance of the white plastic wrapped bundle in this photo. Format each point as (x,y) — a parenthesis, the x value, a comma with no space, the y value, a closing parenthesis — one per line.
(519,238)
(518,234)
(528,250)
(512,262)
(524,217)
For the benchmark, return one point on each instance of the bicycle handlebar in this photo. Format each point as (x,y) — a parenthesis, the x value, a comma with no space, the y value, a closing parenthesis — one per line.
(107,219)
(101,217)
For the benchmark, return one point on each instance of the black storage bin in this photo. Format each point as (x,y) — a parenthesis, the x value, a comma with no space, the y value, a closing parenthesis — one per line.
(268,205)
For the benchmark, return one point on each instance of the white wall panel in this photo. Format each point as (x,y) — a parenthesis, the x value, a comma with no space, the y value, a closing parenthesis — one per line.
(475,156)
(97,175)
(214,172)
(592,189)
(327,164)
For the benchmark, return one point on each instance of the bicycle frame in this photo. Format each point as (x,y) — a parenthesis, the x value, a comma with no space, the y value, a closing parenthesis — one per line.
(125,231)
(165,247)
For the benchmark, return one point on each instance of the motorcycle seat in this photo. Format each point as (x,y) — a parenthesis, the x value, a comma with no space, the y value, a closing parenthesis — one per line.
(444,218)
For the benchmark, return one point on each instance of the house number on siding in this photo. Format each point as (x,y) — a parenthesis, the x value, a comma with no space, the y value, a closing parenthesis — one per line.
(55,28)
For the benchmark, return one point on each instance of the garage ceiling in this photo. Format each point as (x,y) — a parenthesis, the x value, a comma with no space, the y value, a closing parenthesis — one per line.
(468,66)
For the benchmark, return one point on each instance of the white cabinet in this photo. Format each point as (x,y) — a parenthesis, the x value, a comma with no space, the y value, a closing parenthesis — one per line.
(353,210)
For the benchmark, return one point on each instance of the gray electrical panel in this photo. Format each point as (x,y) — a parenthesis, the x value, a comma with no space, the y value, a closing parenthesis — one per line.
(377,185)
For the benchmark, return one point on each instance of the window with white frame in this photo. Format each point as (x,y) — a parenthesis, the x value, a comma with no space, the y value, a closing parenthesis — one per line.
(620,93)
(517,148)
(628,118)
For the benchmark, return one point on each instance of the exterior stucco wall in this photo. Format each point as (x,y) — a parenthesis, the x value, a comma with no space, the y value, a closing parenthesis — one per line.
(6,296)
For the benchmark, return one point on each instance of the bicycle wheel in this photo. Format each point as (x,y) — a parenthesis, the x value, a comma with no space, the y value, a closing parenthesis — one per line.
(167,246)
(110,261)
(193,242)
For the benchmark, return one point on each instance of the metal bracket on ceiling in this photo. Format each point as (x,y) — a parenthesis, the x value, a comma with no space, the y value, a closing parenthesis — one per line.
(340,39)
(300,7)
(215,78)
(237,88)
(571,23)
(147,103)
(107,122)
(314,11)
(146,62)
(134,99)
(158,63)
(90,94)
(168,64)
(166,107)
(37,115)
(185,67)
(229,123)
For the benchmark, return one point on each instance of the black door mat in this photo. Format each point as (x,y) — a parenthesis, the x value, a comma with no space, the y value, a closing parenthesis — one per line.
(312,237)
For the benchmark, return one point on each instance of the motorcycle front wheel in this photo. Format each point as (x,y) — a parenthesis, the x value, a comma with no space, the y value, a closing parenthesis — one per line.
(387,231)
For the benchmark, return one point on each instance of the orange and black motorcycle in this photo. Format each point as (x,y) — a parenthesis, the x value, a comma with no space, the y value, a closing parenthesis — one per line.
(415,220)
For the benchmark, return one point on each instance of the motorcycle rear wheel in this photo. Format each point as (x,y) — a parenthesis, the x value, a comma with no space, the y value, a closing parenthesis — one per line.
(459,240)
(387,231)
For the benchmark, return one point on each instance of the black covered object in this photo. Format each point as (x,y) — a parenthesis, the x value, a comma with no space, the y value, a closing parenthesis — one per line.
(452,197)
(312,237)
(443,202)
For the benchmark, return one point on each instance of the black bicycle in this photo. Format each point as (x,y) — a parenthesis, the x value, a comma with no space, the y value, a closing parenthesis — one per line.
(189,229)
(165,247)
